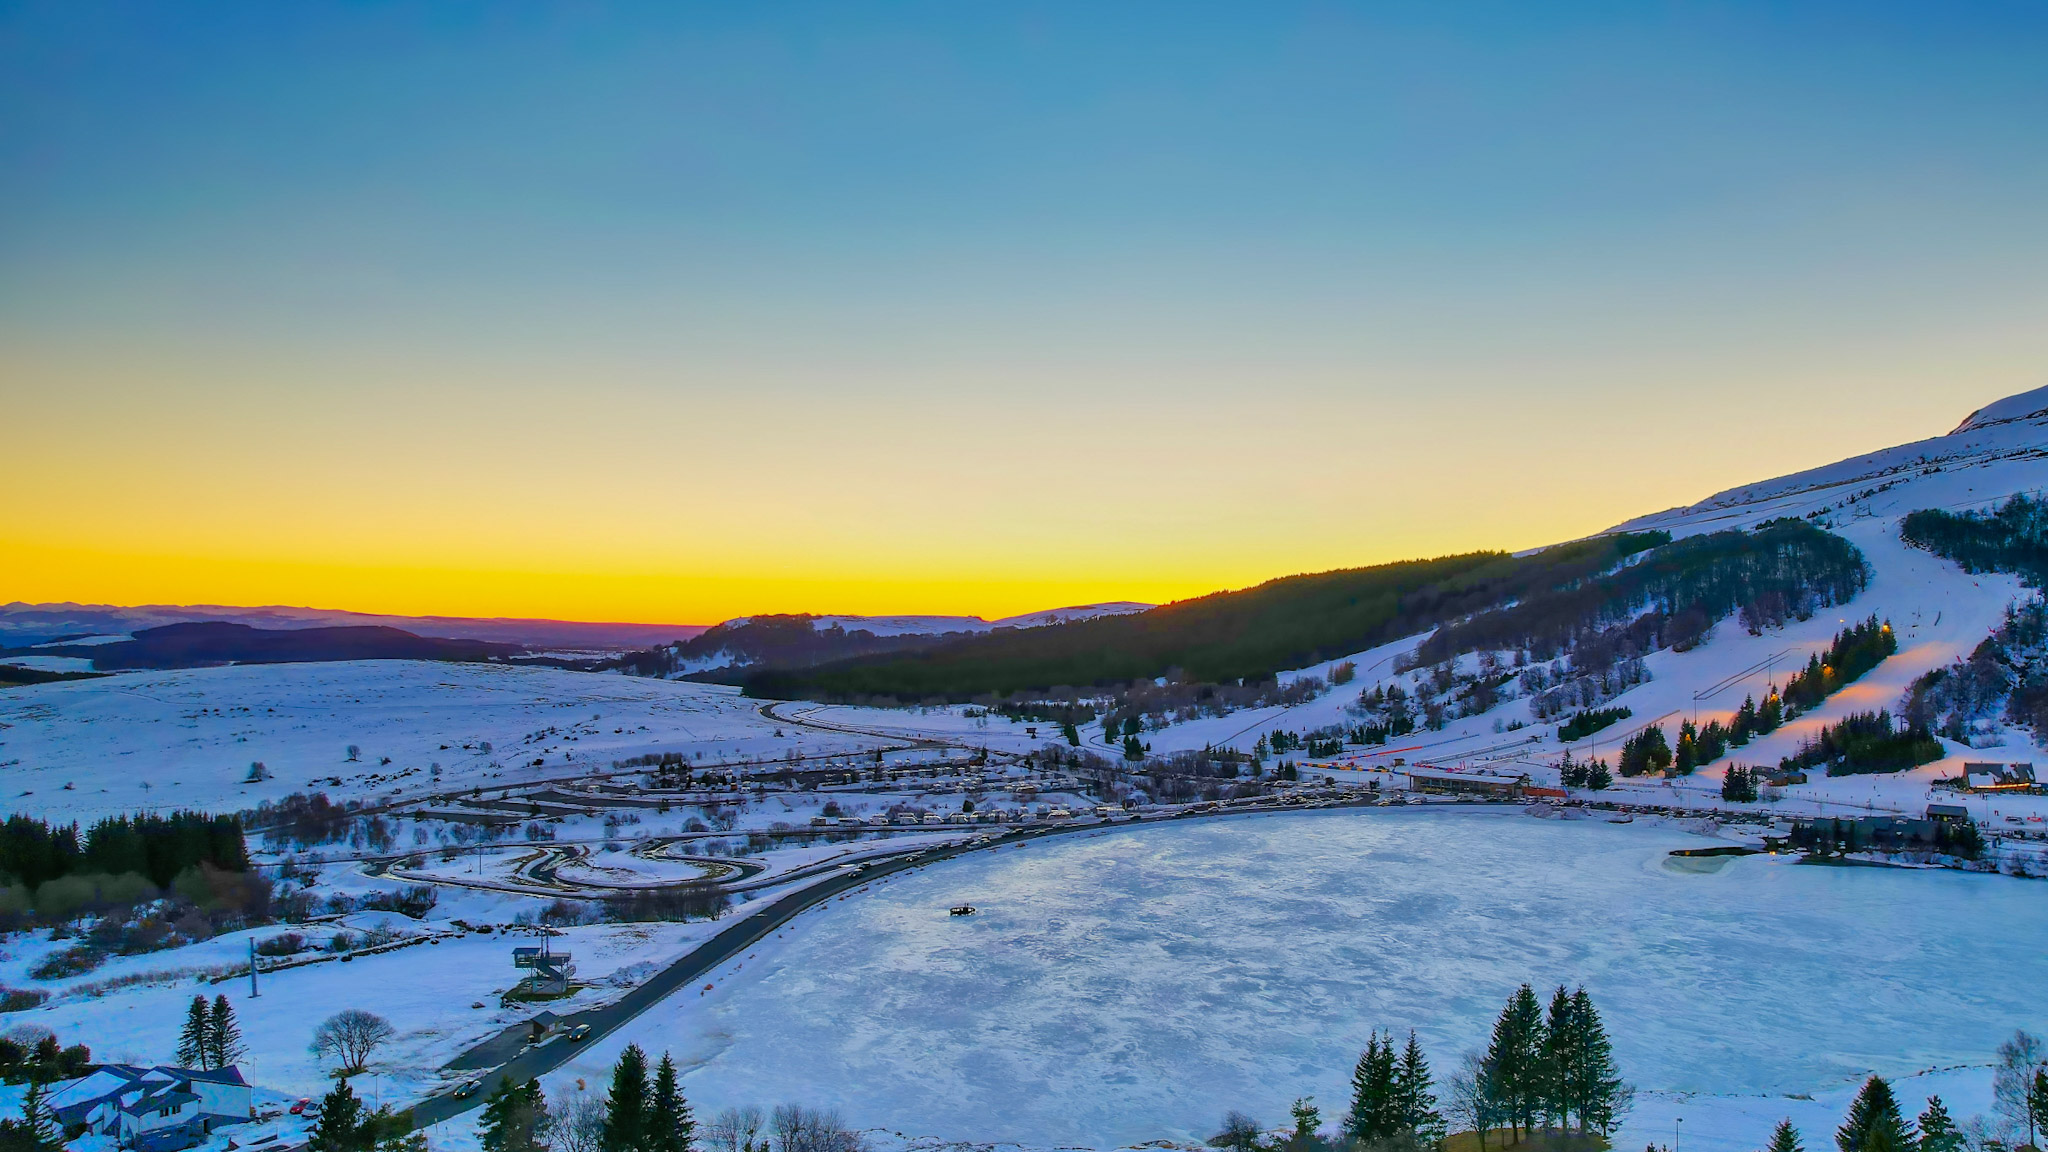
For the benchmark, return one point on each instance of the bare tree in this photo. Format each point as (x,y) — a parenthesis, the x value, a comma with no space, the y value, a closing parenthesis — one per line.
(2018,1059)
(1467,1099)
(349,1037)
(800,1129)
(1239,1131)
(735,1130)
(576,1122)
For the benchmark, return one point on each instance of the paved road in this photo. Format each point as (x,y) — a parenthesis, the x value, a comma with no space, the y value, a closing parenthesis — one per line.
(745,932)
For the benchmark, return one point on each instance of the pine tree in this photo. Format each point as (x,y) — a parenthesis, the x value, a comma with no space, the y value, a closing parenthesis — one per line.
(1308,1119)
(1560,1063)
(223,1036)
(1785,1138)
(341,1121)
(1514,1059)
(1372,1092)
(512,1118)
(1596,1090)
(193,1049)
(625,1120)
(38,1124)
(1874,1123)
(1414,1101)
(670,1127)
(1938,1133)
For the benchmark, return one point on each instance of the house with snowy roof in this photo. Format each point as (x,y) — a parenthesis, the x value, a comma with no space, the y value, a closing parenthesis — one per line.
(160,1109)
(1998,777)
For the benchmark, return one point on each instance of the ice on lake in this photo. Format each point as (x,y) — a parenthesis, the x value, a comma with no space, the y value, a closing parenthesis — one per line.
(1134,984)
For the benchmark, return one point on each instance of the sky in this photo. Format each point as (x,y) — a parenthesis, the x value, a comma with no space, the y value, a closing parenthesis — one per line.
(674,312)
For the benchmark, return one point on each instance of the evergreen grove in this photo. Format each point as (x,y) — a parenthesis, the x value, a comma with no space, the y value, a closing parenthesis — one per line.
(1541,1069)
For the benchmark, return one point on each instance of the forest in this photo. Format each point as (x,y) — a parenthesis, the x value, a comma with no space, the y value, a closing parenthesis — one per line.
(2012,538)
(1223,638)
(155,846)
(1864,743)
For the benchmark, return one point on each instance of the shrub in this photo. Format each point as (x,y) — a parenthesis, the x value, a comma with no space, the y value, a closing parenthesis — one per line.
(21,999)
(283,944)
(74,961)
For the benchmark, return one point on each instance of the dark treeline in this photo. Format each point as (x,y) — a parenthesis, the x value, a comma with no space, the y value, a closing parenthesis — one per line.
(2007,675)
(1226,637)
(2014,538)
(33,852)
(1588,722)
(1784,570)
(1863,743)
(1856,650)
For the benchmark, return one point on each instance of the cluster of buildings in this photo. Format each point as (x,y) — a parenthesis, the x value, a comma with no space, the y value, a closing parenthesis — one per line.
(159,1109)
(1999,777)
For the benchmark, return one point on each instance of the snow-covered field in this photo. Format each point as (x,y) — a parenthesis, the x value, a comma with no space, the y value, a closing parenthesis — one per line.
(186,739)
(441,998)
(1132,985)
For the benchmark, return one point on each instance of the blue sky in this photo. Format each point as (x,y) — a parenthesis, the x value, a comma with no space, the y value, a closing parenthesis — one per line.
(1218,291)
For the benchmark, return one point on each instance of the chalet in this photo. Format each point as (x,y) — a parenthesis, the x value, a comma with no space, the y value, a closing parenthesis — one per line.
(1997,777)
(159,1109)
(1448,782)
(1948,813)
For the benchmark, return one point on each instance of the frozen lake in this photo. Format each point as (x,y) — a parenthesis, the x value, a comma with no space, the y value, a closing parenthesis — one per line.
(1134,984)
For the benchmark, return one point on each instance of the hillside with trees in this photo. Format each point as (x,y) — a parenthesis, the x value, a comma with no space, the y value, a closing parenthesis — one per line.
(1568,625)
(1224,637)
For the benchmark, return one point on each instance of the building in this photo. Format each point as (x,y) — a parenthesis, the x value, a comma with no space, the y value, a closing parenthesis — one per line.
(547,972)
(1997,777)
(1449,782)
(1948,813)
(160,1109)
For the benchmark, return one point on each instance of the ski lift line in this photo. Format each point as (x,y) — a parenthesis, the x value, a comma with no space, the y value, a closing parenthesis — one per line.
(1714,690)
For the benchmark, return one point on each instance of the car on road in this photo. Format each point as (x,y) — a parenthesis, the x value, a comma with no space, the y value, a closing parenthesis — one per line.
(468,1087)
(579,1032)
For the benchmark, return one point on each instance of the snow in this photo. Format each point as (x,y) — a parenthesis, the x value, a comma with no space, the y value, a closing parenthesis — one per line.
(427,992)
(187,738)
(1131,985)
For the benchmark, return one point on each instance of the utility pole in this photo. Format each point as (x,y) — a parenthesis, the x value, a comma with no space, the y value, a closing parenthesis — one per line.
(253,993)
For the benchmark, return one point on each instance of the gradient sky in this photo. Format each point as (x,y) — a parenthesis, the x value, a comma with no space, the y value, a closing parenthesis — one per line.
(673,312)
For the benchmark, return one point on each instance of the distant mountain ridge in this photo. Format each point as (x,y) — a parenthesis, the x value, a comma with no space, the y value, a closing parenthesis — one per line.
(203,644)
(23,625)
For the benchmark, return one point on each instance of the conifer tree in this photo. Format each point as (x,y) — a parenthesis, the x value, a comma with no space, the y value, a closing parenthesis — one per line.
(625,1120)
(1372,1092)
(193,1049)
(341,1121)
(1514,1059)
(670,1127)
(1938,1133)
(1414,1099)
(38,1124)
(1785,1138)
(1596,1091)
(512,1118)
(1874,1123)
(223,1036)
(1559,1065)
